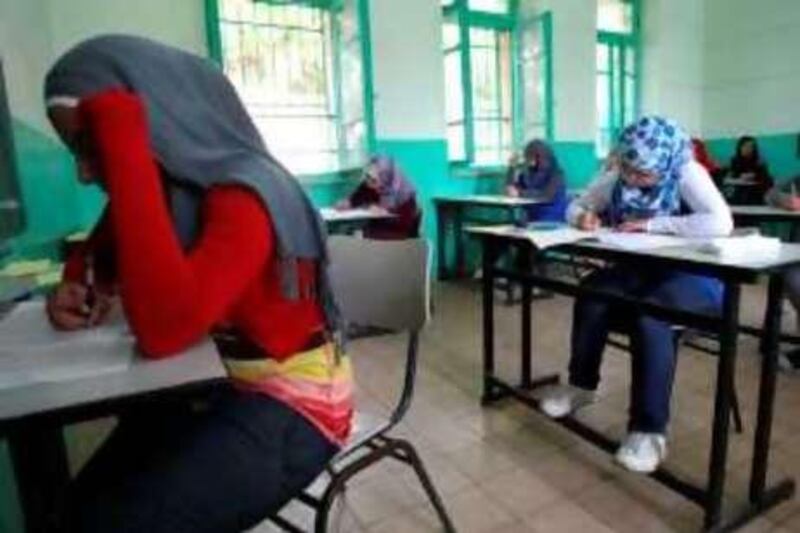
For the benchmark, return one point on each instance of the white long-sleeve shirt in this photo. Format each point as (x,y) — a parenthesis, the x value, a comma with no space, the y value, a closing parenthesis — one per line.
(710,215)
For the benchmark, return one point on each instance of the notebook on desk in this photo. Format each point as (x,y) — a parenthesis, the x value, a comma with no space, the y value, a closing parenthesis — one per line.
(31,351)
(548,237)
(735,246)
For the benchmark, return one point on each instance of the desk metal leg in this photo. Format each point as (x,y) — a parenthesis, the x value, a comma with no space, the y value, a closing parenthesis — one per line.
(40,466)
(442,213)
(489,257)
(722,404)
(525,263)
(766,394)
(458,231)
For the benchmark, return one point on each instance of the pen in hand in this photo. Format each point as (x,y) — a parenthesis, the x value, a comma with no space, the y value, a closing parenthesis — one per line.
(91,295)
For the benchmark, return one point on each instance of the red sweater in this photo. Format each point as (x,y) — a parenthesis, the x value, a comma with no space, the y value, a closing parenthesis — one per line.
(171,298)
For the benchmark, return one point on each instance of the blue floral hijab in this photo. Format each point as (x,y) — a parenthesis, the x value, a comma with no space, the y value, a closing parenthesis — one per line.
(659,146)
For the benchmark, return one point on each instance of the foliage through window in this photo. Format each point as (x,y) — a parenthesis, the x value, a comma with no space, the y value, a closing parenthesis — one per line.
(497,85)
(299,68)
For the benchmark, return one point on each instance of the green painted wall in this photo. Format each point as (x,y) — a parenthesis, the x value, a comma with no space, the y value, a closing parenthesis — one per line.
(55,203)
(578,160)
(779,151)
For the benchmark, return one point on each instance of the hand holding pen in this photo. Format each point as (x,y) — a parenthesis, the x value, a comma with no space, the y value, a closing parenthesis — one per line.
(77,305)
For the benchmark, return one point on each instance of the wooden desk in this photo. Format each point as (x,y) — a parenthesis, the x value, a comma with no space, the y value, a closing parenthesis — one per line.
(732,274)
(350,220)
(757,214)
(33,412)
(452,210)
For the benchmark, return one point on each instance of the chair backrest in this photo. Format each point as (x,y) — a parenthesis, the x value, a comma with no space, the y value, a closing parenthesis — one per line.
(382,284)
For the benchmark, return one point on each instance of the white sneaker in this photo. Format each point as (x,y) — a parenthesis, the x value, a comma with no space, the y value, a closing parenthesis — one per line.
(561,400)
(642,452)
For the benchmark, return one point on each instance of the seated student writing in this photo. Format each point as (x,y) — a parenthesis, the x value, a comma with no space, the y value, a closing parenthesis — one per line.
(657,174)
(208,235)
(539,177)
(747,165)
(786,197)
(386,187)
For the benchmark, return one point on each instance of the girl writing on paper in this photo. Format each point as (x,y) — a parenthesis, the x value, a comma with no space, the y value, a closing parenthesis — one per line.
(658,187)
(540,177)
(748,166)
(205,233)
(386,187)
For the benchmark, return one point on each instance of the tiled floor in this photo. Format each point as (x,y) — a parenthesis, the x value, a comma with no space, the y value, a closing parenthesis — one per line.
(504,468)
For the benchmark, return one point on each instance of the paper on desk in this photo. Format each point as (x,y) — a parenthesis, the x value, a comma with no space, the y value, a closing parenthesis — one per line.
(636,242)
(32,352)
(755,247)
(27,268)
(329,213)
(548,238)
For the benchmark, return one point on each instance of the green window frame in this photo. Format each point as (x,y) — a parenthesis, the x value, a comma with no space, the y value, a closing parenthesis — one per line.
(304,71)
(618,76)
(498,78)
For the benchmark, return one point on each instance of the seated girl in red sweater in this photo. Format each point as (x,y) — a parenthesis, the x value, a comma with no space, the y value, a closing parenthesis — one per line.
(386,187)
(205,233)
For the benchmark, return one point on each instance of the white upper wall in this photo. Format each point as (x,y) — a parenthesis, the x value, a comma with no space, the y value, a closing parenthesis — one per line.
(672,64)
(408,66)
(180,23)
(752,75)
(25,50)
(33,33)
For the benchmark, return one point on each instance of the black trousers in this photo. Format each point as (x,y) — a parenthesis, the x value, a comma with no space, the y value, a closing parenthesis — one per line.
(222,467)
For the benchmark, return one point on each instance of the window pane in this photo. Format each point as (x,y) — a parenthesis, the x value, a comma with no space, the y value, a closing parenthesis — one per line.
(480,37)
(504,71)
(492,141)
(604,142)
(353,141)
(603,102)
(456,150)
(450,35)
(236,9)
(454,89)
(280,60)
(630,99)
(630,60)
(492,6)
(485,74)
(532,80)
(602,58)
(615,16)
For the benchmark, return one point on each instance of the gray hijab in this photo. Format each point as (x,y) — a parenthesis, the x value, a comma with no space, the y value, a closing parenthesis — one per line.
(201,136)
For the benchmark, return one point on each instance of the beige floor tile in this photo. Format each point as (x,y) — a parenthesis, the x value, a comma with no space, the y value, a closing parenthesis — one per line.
(566,517)
(481,462)
(474,511)
(416,520)
(375,501)
(522,492)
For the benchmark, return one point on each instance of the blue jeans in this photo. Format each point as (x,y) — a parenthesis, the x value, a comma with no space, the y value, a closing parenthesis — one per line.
(652,343)
(223,467)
